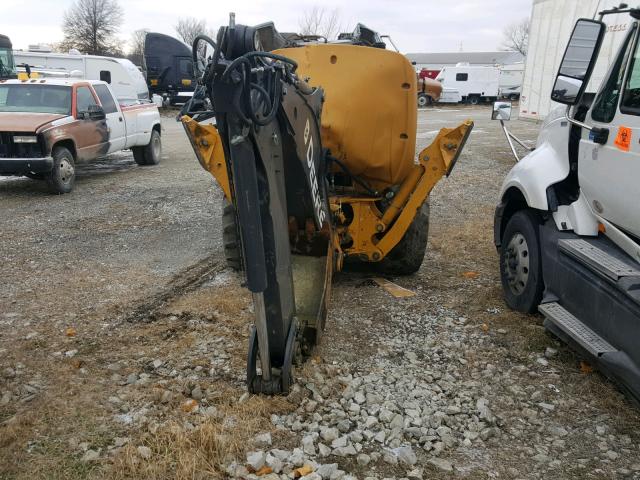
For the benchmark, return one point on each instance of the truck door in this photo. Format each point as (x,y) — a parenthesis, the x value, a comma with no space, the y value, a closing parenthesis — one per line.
(115,118)
(91,136)
(609,174)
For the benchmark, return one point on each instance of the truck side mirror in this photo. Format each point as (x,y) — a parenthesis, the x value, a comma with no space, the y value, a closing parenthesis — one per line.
(578,61)
(96,112)
(501,110)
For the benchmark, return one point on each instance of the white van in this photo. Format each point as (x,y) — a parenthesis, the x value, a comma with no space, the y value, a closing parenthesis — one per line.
(127,82)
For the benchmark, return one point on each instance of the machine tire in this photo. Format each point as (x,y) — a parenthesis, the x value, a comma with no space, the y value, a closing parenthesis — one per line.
(473,100)
(149,154)
(424,100)
(230,238)
(63,174)
(407,256)
(521,262)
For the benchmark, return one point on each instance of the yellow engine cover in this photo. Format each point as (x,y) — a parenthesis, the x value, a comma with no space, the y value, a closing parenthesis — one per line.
(370,110)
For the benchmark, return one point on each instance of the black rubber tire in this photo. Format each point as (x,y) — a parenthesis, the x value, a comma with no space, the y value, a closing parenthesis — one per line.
(527,224)
(230,237)
(514,97)
(473,100)
(424,100)
(36,176)
(63,174)
(149,154)
(407,256)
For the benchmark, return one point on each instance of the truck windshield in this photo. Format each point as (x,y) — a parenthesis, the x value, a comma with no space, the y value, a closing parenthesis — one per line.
(35,98)
(7,66)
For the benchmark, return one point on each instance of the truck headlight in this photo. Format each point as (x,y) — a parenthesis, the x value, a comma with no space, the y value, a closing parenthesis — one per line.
(25,139)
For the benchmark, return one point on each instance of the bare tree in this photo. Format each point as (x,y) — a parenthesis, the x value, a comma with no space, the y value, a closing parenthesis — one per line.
(189,28)
(90,26)
(319,21)
(516,37)
(136,50)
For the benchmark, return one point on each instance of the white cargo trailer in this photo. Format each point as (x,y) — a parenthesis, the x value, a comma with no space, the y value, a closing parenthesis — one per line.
(467,83)
(511,77)
(551,24)
(127,82)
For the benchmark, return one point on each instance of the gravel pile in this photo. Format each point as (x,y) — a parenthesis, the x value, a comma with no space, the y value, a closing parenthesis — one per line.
(430,401)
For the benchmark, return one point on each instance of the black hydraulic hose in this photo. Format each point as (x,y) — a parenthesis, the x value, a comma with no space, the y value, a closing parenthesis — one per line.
(196,41)
(245,59)
(359,181)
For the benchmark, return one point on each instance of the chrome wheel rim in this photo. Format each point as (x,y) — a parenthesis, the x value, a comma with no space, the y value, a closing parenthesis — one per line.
(517,264)
(66,171)
(156,147)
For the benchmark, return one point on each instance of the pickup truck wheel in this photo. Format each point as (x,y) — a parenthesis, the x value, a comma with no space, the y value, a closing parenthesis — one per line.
(406,257)
(230,237)
(63,174)
(149,154)
(423,100)
(520,262)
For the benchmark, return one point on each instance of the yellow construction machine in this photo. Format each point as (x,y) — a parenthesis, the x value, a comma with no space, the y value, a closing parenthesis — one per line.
(313,143)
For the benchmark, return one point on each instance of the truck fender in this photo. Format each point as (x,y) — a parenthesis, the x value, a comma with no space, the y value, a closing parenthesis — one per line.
(527,183)
(68,143)
(535,173)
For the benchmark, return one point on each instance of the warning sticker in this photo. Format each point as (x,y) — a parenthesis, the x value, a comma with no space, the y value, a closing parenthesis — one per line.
(623,139)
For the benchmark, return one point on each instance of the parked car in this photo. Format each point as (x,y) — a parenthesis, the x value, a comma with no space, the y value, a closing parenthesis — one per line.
(47,126)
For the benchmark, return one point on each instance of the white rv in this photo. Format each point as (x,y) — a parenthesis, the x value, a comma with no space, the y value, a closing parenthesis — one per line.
(511,77)
(470,84)
(127,82)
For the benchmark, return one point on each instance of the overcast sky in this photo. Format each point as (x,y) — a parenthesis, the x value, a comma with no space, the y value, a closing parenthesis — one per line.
(414,25)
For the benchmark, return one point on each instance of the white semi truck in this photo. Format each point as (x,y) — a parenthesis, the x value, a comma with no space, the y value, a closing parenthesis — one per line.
(568,225)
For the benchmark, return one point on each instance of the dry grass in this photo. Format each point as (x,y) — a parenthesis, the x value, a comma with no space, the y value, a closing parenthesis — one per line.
(201,452)
(230,302)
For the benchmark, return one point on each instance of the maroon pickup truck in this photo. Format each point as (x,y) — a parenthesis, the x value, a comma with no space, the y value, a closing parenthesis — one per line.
(47,126)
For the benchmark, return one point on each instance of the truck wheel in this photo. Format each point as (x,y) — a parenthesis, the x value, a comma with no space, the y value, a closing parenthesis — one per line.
(521,263)
(63,174)
(514,96)
(230,238)
(149,154)
(423,100)
(406,257)
(474,100)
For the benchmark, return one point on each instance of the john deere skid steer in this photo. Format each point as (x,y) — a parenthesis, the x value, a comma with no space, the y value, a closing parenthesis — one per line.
(313,143)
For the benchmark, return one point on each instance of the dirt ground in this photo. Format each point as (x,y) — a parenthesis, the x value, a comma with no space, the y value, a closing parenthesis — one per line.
(123,336)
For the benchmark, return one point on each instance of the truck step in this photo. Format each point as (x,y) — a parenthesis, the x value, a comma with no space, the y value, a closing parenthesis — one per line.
(598,259)
(578,331)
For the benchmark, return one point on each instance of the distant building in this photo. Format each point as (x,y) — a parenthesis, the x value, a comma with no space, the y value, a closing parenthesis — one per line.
(437,61)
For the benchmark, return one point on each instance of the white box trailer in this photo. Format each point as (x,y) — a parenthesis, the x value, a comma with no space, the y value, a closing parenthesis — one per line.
(127,82)
(472,84)
(511,77)
(552,22)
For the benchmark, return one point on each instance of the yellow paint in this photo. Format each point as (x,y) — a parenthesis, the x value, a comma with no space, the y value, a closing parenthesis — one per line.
(154,82)
(185,81)
(369,237)
(23,76)
(369,114)
(207,145)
